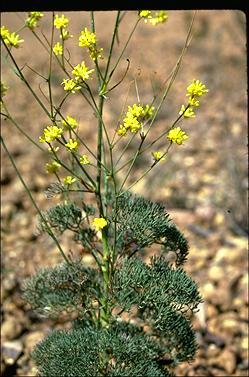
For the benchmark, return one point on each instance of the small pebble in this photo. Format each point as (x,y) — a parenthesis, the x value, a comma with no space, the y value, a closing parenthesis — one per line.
(11,351)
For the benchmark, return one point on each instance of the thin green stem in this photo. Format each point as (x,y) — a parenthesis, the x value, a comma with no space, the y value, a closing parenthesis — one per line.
(173,74)
(147,171)
(25,81)
(124,48)
(49,230)
(12,120)
(50,70)
(132,163)
(152,143)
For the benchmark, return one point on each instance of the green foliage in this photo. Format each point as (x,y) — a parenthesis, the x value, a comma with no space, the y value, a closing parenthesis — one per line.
(121,350)
(142,222)
(162,296)
(61,217)
(53,290)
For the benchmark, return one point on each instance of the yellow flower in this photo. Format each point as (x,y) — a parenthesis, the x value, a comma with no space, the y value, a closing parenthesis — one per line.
(157,156)
(4,89)
(176,135)
(53,167)
(196,89)
(159,18)
(81,72)
(65,34)
(53,149)
(146,14)
(68,180)
(133,118)
(14,40)
(122,131)
(87,39)
(33,18)
(60,22)
(58,49)
(4,32)
(136,111)
(72,145)
(10,39)
(193,102)
(148,111)
(50,134)
(99,223)
(189,113)
(36,15)
(84,159)
(70,123)
(132,123)
(96,53)
(70,85)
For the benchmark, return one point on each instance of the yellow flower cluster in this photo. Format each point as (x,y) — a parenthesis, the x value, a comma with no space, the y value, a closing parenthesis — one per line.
(81,72)
(177,136)
(72,145)
(134,117)
(194,91)
(4,89)
(70,85)
(84,159)
(187,113)
(69,180)
(154,18)
(65,34)
(99,223)
(70,123)
(11,39)
(158,156)
(62,23)
(33,18)
(52,167)
(50,134)
(58,49)
(89,40)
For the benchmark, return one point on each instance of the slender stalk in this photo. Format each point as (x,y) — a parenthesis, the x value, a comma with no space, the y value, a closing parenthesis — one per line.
(132,162)
(50,69)
(25,81)
(124,48)
(147,171)
(12,120)
(49,230)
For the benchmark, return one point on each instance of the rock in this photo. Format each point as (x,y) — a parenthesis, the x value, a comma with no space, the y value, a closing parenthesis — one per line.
(243,313)
(231,325)
(222,296)
(11,351)
(213,350)
(213,338)
(10,282)
(207,290)
(227,360)
(244,365)
(244,342)
(32,339)
(11,328)
(229,255)
(216,273)
(211,311)
(205,213)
